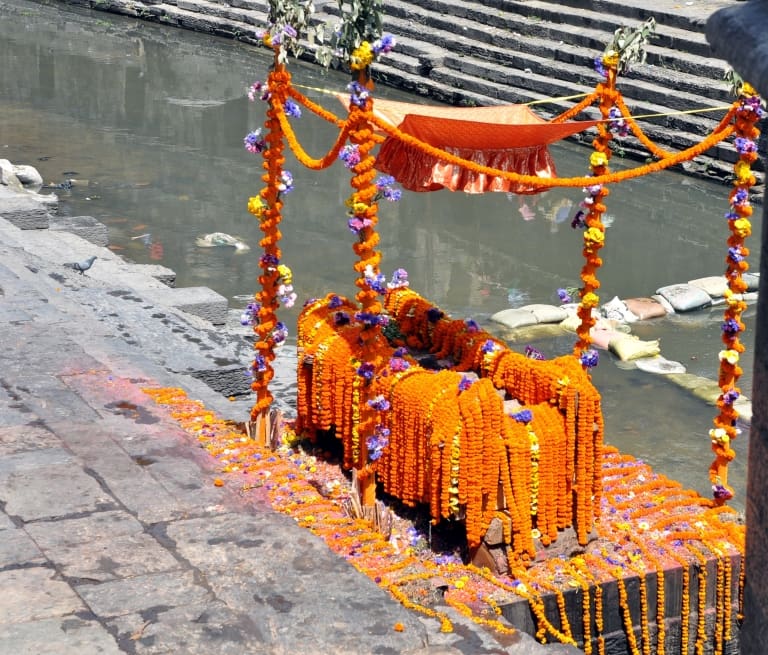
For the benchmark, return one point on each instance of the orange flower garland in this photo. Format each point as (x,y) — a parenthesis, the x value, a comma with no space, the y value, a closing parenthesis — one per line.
(724,431)
(594,230)
(269,222)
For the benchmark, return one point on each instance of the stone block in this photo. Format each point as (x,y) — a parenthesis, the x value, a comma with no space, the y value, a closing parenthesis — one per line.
(86,227)
(23,211)
(198,301)
(160,273)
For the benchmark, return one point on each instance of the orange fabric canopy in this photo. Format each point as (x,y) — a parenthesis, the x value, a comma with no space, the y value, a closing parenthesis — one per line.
(506,137)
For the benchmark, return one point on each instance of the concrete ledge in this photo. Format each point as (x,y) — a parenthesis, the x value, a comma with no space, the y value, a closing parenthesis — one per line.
(199,301)
(22,211)
(160,273)
(86,227)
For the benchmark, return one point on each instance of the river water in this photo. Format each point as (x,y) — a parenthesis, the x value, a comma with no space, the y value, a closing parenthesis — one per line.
(150,120)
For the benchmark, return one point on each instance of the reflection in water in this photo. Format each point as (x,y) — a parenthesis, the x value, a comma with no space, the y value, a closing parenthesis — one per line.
(152,120)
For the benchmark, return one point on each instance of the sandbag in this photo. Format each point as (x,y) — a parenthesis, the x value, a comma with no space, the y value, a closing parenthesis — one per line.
(685,297)
(547,313)
(752,280)
(515,318)
(660,365)
(645,308)
(714,286)
(529,315)
(627,347)
(602,338)
(617,310)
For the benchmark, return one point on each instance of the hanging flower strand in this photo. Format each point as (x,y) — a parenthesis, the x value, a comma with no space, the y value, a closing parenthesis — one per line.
(589,217)
(749,112)
(276,278)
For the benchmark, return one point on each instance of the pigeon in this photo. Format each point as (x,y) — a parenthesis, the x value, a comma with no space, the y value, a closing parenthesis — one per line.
(82,266)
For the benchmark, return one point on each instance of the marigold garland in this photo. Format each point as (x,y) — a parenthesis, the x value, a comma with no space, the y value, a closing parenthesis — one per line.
(269,223)
(747,114)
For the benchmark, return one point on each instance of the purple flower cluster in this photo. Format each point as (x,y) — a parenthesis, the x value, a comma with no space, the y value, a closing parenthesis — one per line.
(564,296)
(254,142)
(734,254)
(719,492)
(292,109)
(357,225)
(369,319)
(488,347)
(350,155)
(258,88)
(358,94)
(341,318)
(730,396)
(384,44)
(277,37)
(730,327)
(465,383)
(579,219)
(399,279)
(280,333)
(752,104)
(366,371)
(523,416)
(385,188)
(617,124)
(259,364)
(250,315)
(379,403)
(335,302)
(377,442)
(471,325)
(377,282)
(267,260)
(286,182)
(744,145)
(589,358)
(398,364)
(741,198)
(599,68)
(534,353)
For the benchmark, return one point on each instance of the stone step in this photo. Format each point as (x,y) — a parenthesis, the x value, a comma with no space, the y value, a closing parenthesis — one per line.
(638,10)
(544,54)
(546,20)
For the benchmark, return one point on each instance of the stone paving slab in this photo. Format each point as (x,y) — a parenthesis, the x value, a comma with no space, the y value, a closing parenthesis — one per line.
(35,593)
(22,438)
(56,637)
(143,592)
(17,549)
(33,490)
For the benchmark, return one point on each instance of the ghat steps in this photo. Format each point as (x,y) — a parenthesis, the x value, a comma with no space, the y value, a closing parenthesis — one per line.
(485,52)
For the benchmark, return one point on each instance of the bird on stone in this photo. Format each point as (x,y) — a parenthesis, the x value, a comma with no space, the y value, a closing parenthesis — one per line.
(82,266)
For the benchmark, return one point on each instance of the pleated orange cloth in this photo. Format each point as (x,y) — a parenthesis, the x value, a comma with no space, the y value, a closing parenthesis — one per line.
(505,137)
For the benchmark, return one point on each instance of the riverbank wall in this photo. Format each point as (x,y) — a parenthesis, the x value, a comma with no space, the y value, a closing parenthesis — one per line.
(490,52)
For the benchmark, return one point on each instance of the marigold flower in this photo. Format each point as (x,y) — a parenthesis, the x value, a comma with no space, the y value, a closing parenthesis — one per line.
(597,159)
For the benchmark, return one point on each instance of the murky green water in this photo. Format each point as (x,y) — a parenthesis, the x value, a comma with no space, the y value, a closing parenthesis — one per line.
(150,121)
